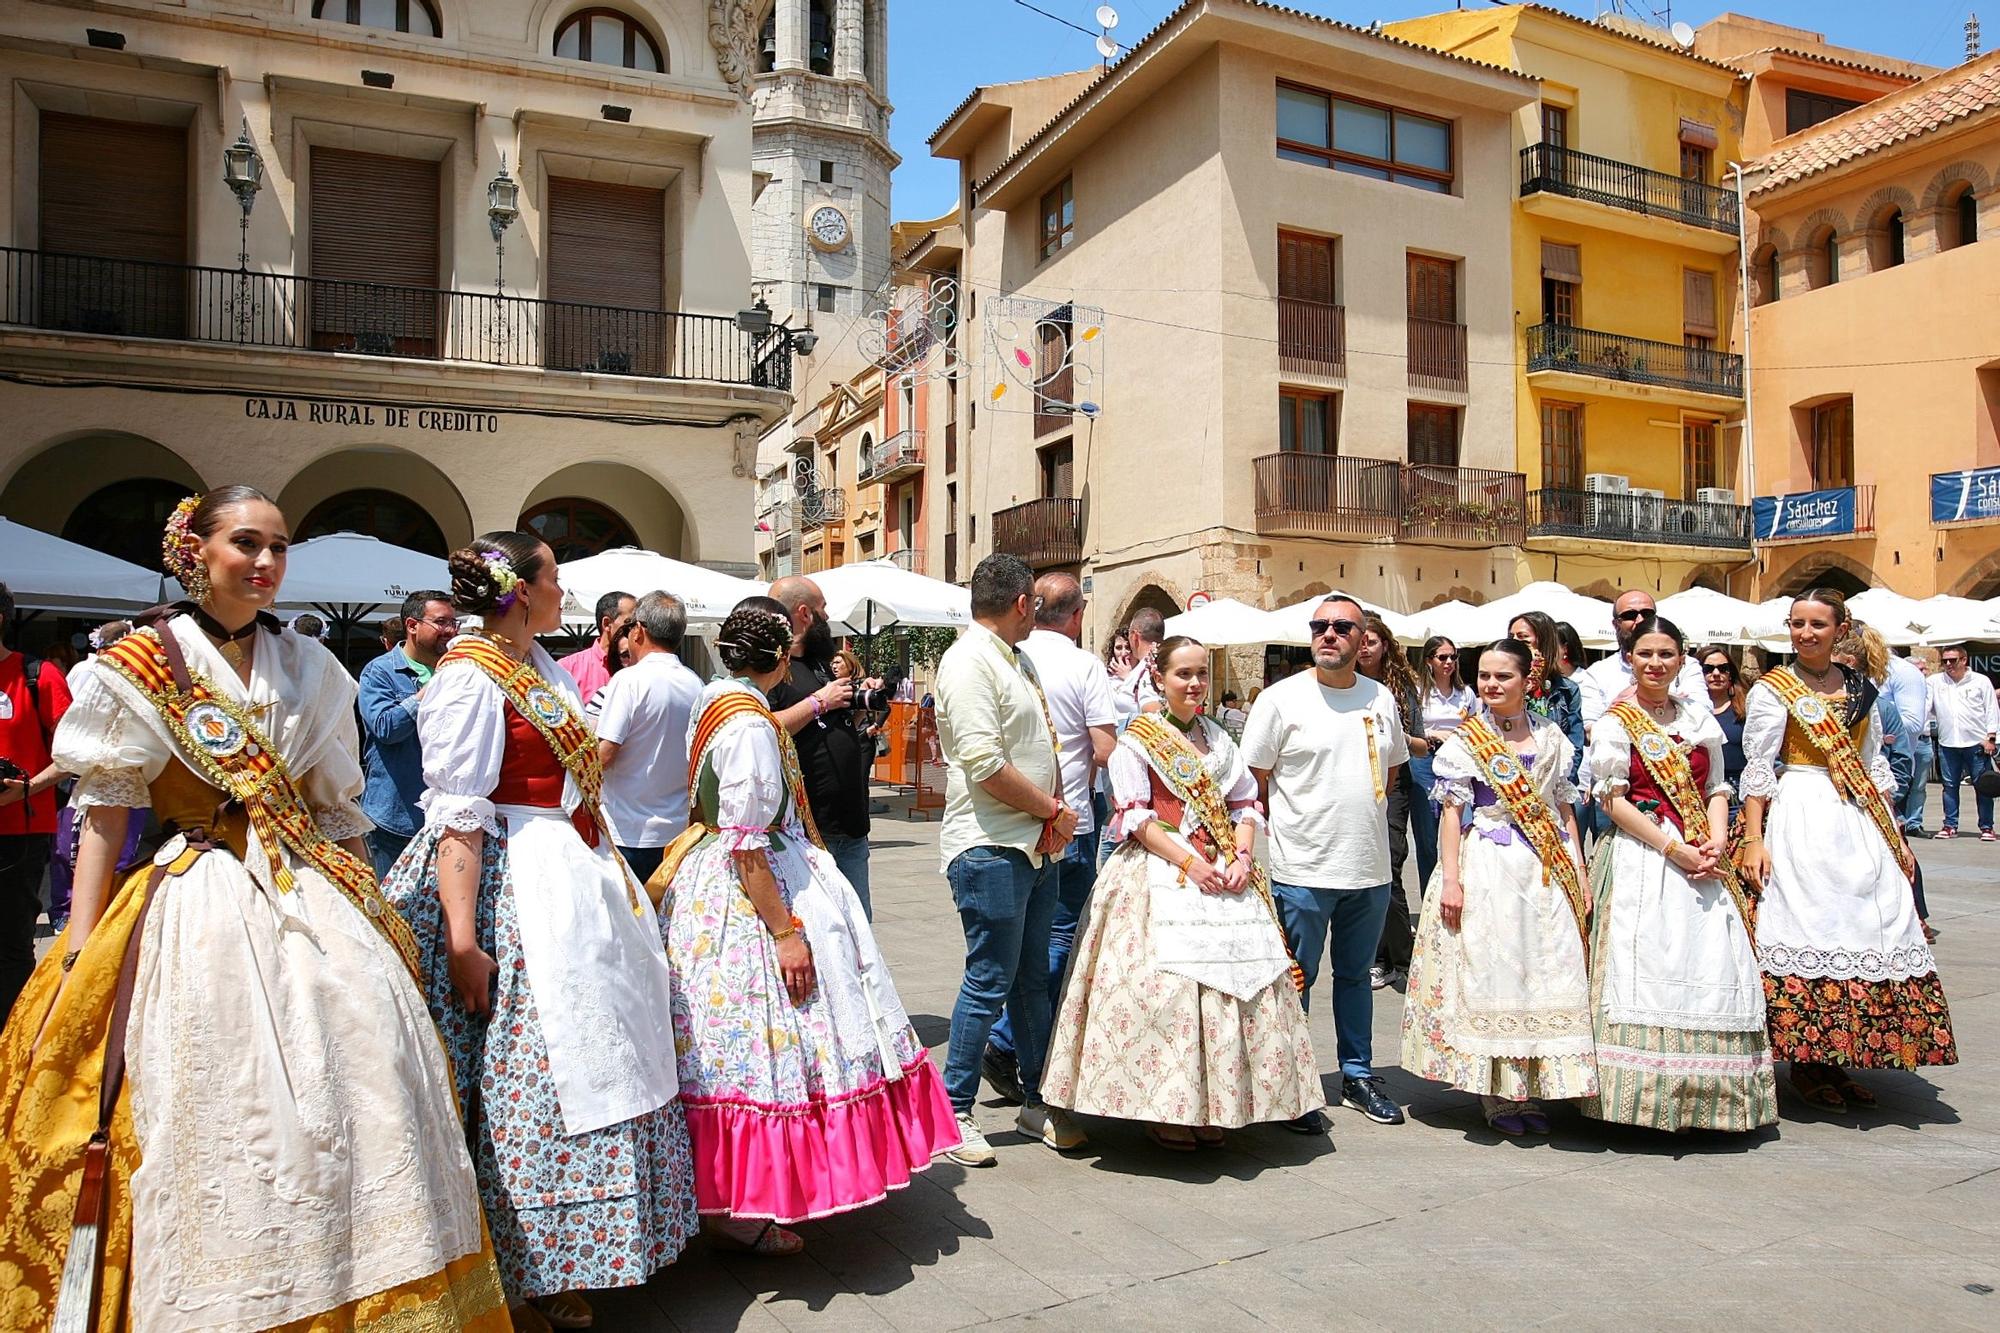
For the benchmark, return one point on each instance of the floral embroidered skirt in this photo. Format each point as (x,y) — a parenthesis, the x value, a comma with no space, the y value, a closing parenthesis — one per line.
(606,1208)
(793,1109)
(1665,1077)
(1136,1043)
(1501,1006)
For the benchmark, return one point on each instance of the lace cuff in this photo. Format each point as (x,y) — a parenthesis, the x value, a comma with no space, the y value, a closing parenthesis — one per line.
(1453,791)
(1564,791)
(341,822)
(1250,812)
(1605,788)
(121,787)
(1882,775)
(465,814)
(1758,780)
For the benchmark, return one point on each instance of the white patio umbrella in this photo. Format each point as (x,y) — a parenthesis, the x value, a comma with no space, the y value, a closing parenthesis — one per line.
(1223,623)
(1708,616)
(46,573)
(1589,616)
(1947,619)
(873,595)
(708,594)
(347,576)
(1288,624)
(1896,616)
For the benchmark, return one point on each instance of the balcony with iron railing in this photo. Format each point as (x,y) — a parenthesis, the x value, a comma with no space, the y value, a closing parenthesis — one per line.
(281,311)
(1312,337)
(1624,517)
(1550,172)
(908,557)
(1437,355)
(821,507)
(1042,532)
(1380,499)
(893,459)
(1615,360)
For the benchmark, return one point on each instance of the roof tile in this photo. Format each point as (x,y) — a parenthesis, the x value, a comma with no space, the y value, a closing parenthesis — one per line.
(1920,109)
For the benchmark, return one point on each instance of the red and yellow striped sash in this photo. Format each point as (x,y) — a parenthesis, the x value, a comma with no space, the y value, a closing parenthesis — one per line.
(1502,770)
(1830,737)
(725,708)
(222,743)
(1670,769)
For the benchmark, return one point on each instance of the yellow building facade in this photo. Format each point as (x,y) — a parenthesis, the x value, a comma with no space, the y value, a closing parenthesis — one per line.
(1628,398)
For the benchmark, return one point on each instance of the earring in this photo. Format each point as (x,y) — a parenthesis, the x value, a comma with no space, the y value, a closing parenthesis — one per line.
(196,581)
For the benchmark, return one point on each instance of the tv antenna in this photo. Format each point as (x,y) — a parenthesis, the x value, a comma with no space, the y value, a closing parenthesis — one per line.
(1107,45)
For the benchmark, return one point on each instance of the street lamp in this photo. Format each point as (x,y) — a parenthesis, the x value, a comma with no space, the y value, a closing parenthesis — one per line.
(756,321)
(503,205)
(243,173)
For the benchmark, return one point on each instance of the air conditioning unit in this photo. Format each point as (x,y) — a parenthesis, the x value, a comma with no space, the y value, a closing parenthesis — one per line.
(1715,495)
(1607,483)
(1649,509)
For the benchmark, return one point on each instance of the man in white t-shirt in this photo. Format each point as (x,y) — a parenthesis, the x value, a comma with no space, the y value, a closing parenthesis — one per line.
(642,734)
(1323,743)
(1079,697)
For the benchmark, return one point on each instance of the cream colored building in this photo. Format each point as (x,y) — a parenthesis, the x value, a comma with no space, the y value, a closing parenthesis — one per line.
(1297,234)
(367,360)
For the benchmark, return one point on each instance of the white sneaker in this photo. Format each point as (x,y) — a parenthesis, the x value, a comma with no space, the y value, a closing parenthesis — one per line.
(972,1149)
(1053,1127)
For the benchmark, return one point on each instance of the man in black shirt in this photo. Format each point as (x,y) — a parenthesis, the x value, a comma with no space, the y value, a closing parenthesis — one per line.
(835,748)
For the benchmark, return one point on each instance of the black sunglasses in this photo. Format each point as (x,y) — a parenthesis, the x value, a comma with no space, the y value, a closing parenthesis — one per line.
(1343,628)
(1444,657)
(1625,616)
(1723,667)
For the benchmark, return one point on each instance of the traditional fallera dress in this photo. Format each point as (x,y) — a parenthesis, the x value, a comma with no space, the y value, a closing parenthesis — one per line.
(796,1111)
(567,1083)
(1848,976)
(1501,1006)
(284,1150)
(1679,1006)
(1180,1008)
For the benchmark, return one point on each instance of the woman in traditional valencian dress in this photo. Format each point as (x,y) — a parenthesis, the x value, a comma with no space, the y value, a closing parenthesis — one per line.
(1679,1007)
(807,1091)
(1848,975)
(540,956)
(1181,1009)
(276,1130)
(1499,992)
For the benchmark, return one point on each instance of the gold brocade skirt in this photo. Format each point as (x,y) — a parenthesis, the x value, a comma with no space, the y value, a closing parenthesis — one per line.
(49,1101)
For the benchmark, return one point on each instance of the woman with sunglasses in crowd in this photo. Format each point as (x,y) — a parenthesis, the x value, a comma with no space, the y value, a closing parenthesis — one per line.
(1410,815)
(1725,702)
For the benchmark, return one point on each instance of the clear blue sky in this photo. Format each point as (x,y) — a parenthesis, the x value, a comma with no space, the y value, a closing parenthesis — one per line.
(939,50)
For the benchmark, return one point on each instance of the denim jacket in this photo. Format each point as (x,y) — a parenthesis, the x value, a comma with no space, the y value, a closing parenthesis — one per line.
(391,753)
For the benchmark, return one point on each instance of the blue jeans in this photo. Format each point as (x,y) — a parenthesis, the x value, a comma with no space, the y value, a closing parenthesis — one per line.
(851,855)
(1076,876)
(1963,763)
(1005,906)
(1355,918)
(383,848)
(1910,804)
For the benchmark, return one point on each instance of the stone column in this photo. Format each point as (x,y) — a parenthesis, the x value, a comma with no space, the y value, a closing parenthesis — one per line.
(791,35)
(847,40)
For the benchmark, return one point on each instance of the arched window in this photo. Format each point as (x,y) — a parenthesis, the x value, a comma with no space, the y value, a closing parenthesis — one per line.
(819,37)
(575,527)
(383,515)
(1961,219)
(412,16)
(125,518)
(1886,246)
(607,37)
(1774,275)
(1826,258)
(1764,276)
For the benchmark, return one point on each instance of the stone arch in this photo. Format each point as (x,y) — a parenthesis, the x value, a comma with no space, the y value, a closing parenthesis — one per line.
(374,511)
(1150,593)
(1818,221)
(1958,173)
(653,512)
(1604,589)
(1715,578)
(1765,280)
(1981,580)
(347,473)
(679,51)
(1876,205)
(1824,567)
(50,485)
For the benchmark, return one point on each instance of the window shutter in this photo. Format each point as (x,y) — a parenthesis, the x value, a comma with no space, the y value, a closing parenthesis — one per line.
(374,228)
(607,249)
(1695,133)
(1698,303)
(114,189)
(1305,267)
(1433,288)
(1562,263)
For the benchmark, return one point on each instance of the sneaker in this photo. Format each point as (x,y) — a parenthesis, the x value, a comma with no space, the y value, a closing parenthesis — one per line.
(1002,1072)
(1946,832)
(1381,978)
(1366,1096)
(1312,1122)
(1053,1127)
(1986,835)
(972,1149)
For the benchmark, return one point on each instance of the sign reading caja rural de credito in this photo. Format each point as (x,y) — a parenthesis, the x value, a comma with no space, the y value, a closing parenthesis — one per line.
(1965,497)
(1806,514)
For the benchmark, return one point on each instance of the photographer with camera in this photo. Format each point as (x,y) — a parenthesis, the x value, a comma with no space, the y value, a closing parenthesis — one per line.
(825,718)
(33,698)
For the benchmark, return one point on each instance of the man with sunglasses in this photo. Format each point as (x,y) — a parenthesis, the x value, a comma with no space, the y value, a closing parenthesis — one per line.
(1967,719)
(1325,744)
(1603,682)
(391,755)
(1906,690)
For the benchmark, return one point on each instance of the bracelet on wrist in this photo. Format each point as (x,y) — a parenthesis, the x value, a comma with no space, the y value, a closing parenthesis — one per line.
(794,928)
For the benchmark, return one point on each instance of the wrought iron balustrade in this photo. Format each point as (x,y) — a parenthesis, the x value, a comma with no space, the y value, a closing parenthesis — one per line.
(1437,355)
(899,456)
(1613,516)
(1042,532)
(1312,337)
(1547,169)
(1383,499)
(1613,356)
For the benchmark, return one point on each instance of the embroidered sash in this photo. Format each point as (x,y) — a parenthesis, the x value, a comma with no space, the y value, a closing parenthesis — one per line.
(1668,764)
(1836,746)
(1180,767)
(549,713)
(220,740)
(1502,770)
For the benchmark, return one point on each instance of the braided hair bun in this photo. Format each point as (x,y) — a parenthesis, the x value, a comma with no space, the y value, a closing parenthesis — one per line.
(754,638)
(485,574)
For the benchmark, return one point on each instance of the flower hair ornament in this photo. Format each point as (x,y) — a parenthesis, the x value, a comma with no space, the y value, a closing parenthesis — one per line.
(180,550)
(505,580)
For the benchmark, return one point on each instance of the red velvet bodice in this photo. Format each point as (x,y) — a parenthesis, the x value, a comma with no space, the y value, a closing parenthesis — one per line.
(530,775)
(1645,789)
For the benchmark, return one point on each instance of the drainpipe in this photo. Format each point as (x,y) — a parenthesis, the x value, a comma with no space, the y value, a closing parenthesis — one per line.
(1743,299)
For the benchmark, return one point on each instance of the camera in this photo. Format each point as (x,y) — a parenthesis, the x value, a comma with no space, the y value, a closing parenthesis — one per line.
(878,699)
(13,772)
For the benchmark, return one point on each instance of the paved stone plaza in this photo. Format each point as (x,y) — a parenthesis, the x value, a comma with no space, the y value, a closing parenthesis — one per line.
(1890,1218)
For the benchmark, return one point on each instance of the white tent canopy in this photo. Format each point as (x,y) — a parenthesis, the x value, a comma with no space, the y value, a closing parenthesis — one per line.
(874,595)
(349,577)
(1707,616)
(1223,623)
(708,594)
(46,573)
(1288,624)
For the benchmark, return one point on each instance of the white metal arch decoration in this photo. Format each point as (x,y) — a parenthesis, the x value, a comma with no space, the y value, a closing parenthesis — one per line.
(911,338)
(1042,355)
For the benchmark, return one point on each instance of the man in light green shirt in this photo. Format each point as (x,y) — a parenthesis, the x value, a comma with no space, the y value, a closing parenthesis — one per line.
(1002,795)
